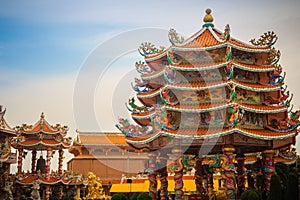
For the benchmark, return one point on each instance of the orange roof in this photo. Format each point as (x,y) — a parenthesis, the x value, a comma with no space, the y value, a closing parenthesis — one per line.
(42,126)
(212,132)
(40,144)
(204,39)
(102,138)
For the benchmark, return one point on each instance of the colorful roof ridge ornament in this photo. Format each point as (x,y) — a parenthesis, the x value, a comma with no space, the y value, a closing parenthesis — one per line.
(174,38)
(267,39)
(208,19)
(147,48)
(226,35)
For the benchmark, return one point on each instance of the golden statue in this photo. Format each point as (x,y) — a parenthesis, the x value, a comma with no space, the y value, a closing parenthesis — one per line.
(95,188)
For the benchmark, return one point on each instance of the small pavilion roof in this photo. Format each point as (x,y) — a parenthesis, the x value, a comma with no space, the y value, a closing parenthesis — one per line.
(41,126)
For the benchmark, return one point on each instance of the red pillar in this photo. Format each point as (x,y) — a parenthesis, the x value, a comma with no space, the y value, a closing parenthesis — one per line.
(48,162)
(60,161)
(20,160)
(269,166)
(33,161)
(228,173)
(199,176)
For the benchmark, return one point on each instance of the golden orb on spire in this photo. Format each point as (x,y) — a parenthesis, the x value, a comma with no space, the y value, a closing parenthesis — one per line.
(208,17)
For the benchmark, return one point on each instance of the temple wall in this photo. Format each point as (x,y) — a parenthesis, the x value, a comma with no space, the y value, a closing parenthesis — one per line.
(106,169)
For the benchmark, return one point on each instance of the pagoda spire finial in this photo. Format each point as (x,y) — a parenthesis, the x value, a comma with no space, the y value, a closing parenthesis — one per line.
(208,18)
(42,115)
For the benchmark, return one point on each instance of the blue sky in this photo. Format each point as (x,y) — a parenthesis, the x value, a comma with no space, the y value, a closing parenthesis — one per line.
(45,44)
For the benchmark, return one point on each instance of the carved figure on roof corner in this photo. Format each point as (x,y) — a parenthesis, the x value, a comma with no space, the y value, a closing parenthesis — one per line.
(174,38)
(294,118)
(135,108)
(267,39)
(147,48)
(226,35)
(140,86)
(276,79)
(131,130)
(142,68)
(274,57)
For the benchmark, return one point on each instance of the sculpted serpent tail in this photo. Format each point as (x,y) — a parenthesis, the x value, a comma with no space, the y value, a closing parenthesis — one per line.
(178,178)
(229,175)
(164,184)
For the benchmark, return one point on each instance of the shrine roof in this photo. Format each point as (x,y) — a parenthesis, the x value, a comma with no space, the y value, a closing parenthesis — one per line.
(153,75)
(263,108)
(41,126)
(101,138)
(256,87)
(29,143)
(207,38)
(149,94)
(54,179)
(212,132)
(197,107)
(216,65)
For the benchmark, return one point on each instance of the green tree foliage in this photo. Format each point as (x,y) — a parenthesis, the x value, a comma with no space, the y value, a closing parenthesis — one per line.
(275,188)
(144,196)
(250,195)
(292,187)
(118,196)
(135,196)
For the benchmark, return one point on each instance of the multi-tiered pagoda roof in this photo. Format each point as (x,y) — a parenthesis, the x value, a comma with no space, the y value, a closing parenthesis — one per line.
(211,86)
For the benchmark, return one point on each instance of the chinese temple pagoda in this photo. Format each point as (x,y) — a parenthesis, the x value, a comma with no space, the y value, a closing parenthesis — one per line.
(43,137)
(210,98)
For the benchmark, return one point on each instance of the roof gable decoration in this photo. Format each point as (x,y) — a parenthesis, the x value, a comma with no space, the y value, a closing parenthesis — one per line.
(147,48)
(42,126)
